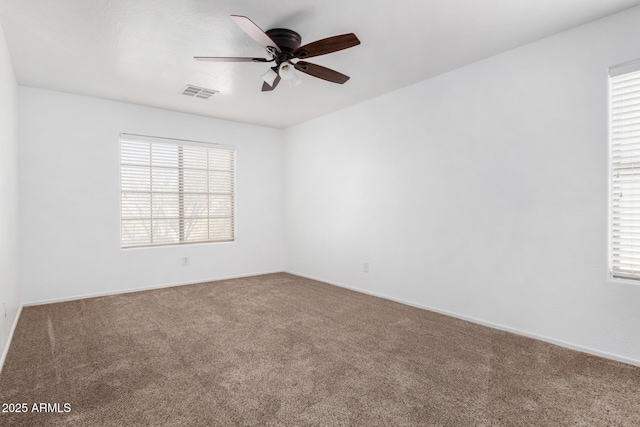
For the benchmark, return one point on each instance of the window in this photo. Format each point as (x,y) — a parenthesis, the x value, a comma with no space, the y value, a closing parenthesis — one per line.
(625,168)
(175,192)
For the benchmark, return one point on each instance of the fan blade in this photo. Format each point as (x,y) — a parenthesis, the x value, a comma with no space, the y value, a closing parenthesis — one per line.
(328,45)
(229,59)
(255,32)
(321,72)
(267,88)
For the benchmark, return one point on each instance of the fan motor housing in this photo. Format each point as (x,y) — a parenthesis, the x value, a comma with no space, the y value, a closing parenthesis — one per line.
(287,40)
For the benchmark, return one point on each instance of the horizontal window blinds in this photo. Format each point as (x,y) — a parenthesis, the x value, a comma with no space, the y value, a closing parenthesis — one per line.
(175,192)
(625,161)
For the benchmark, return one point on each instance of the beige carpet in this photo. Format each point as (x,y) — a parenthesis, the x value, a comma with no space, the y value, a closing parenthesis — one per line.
(280,350)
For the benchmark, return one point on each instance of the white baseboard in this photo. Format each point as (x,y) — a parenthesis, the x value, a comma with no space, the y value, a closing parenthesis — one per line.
(9,338)
(550,340)
(140,289)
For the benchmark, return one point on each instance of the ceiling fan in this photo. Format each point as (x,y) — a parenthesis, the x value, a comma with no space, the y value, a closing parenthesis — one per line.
(283,47)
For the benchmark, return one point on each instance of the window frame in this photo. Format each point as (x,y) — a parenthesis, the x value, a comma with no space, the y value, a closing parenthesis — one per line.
(615,272)
(181,143)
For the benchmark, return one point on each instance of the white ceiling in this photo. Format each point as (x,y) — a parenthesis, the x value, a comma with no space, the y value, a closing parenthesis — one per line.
(140,51)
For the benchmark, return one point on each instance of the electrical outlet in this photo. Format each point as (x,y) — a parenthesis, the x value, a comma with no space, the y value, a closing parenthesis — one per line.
(185,261)
(365,267)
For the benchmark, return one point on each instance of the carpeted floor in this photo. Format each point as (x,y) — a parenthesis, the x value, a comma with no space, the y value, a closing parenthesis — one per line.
(280,350)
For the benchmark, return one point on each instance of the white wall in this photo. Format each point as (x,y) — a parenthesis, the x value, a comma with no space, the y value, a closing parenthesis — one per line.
(9,273)
(482,192)
(70,200)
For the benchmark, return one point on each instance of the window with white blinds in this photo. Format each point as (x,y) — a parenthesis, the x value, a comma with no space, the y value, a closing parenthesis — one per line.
(625,168)
(175,192)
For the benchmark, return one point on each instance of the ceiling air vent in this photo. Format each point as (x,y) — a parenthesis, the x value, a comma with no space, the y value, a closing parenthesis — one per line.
(198,92)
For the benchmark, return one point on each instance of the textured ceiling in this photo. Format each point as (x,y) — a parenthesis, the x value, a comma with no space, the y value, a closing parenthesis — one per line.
(141,51)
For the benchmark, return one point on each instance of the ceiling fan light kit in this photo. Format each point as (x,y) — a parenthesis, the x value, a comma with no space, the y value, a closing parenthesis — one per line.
(286,71)
(295,81)
(269,76)
(283,47)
